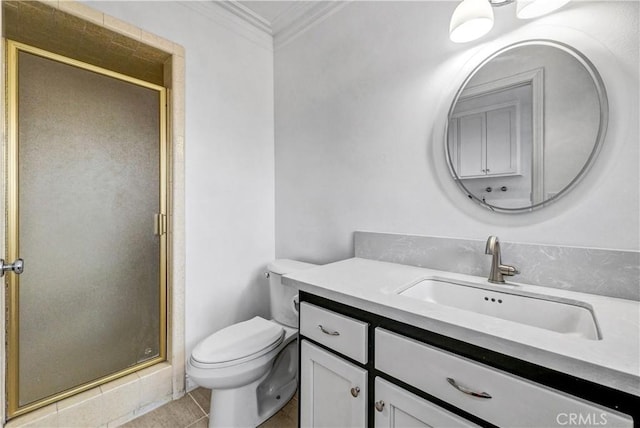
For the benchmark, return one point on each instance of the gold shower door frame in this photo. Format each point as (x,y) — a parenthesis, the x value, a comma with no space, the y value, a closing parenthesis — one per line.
(12,281)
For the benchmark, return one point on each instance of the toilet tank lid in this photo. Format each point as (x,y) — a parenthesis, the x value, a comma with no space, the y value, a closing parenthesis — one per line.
(285,266)
(238,341)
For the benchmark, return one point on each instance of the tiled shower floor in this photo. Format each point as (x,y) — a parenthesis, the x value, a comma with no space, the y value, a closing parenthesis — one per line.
(192,411)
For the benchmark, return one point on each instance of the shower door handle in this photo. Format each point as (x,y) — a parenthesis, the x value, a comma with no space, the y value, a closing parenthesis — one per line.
(16,267)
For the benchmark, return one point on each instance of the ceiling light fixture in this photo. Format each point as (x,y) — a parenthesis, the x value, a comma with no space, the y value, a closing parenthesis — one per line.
(470,20)
(473,19)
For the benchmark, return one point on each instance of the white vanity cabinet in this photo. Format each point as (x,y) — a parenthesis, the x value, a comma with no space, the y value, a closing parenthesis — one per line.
(359,369)
(493,395)
(333,391)
(397,408)
(340,333)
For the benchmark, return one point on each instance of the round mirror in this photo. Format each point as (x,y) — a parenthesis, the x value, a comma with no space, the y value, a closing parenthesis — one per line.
(526,125)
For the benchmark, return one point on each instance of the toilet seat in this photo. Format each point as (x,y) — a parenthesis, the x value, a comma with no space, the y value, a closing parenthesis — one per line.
(238,343)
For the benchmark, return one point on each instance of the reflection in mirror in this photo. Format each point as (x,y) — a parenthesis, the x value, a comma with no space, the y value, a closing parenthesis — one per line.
(526,125)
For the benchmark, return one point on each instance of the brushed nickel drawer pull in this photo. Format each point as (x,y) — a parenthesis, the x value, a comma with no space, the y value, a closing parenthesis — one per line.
(467,390)
(330,333)
(355,391)
(379,405)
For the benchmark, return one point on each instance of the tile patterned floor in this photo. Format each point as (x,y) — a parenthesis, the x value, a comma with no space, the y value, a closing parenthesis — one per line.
(192,411)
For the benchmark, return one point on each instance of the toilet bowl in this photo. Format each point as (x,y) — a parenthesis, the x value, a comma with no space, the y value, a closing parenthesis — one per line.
(251,367)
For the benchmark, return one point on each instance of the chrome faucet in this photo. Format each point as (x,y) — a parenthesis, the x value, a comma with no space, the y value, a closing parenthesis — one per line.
(498,270)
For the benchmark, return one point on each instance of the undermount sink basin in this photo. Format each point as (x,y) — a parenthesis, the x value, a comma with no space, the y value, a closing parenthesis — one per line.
(571,318)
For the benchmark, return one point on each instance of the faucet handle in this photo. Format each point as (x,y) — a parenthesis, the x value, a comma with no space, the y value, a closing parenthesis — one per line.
(508,270)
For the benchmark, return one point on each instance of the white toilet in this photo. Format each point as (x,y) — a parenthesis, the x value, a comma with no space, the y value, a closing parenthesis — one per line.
(251,367)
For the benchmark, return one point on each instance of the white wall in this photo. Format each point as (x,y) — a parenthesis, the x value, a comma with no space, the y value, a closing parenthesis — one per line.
(229,161)
(360,101)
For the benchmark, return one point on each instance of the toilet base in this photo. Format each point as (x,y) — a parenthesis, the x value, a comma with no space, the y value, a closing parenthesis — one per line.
(250,405)
(231,408)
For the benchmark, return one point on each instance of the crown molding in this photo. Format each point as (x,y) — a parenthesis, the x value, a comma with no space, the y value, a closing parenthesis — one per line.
(295,20)
(303,16)
(243,12)
(253,29)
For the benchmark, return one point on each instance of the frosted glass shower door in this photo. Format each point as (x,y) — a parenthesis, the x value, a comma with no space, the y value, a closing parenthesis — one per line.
(86,207)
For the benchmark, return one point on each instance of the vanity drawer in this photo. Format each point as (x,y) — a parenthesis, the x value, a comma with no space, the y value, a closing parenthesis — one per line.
(340,333)
(500,398)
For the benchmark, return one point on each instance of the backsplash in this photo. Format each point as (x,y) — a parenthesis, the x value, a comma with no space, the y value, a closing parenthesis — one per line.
(611,273)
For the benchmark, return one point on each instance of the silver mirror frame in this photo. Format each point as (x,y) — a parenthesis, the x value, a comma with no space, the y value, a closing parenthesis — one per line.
(600,136)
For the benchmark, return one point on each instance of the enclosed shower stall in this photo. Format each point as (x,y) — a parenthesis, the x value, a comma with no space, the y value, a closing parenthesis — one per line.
(86,214)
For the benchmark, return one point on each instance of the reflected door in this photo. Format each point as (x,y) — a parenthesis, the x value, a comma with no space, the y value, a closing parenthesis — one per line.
(86,211)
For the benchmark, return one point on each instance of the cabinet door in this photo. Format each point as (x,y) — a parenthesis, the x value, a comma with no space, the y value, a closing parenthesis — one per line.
(471,145)
(333,392)
(486,142)
(502,143)
(397,408)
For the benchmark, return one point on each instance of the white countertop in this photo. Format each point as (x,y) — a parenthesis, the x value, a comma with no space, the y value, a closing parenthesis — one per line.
(613,361)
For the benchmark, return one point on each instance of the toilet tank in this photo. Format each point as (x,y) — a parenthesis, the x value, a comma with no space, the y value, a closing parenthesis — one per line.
(284,298)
